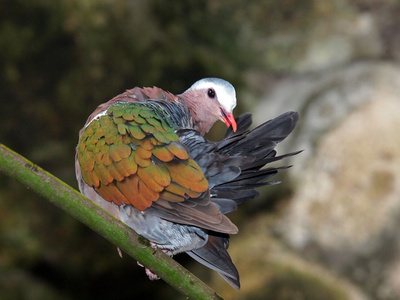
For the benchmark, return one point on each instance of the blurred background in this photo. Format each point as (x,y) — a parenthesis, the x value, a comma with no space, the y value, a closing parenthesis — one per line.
(330,231)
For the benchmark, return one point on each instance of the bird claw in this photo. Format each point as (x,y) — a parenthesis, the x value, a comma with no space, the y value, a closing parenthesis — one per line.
(166,251)
(153,246)
(119,252)
(140,264)
(149,273)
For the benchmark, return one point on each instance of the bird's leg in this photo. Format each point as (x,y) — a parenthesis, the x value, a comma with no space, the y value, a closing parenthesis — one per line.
(149,273)
(153,246)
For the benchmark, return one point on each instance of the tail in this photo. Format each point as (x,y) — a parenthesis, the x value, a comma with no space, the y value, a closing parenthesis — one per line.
(214,256)
(234,168)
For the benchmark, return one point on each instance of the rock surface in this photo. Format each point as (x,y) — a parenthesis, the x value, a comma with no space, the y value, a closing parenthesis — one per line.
(345,210)
(269,270)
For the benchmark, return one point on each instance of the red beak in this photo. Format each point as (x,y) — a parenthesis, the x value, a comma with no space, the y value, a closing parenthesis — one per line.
(228,119)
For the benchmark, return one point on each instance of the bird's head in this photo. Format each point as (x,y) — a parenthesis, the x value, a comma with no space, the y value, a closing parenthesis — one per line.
(211,99)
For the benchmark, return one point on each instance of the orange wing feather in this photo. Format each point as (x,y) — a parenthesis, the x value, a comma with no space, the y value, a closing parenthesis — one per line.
(132,155)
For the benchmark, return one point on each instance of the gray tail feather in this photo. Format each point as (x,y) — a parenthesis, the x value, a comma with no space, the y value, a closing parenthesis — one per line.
(235,166)
(214,256)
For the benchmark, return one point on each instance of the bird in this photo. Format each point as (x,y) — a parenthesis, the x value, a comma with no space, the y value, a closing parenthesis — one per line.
(143,157)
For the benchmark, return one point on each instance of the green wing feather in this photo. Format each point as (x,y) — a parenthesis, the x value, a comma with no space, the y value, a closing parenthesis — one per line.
(131,155)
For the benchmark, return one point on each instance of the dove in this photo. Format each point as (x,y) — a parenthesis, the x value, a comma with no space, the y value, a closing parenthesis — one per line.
(143,157)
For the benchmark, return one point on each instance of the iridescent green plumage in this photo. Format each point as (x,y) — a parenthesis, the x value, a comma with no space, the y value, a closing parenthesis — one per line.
(131,155)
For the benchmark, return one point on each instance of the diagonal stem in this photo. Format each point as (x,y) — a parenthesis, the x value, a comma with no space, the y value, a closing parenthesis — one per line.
(80,207)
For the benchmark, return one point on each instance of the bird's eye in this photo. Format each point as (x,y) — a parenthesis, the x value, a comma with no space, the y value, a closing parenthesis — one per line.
(211,93)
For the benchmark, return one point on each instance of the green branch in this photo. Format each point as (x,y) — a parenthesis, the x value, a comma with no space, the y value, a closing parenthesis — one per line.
(74,203)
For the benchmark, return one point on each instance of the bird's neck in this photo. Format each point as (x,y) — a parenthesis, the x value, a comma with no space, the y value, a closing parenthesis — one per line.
(204,113)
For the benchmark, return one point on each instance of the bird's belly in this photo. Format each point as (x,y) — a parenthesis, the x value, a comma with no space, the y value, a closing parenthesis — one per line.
(167,235)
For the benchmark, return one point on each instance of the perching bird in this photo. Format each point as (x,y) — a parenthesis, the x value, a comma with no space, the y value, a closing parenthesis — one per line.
(142,157)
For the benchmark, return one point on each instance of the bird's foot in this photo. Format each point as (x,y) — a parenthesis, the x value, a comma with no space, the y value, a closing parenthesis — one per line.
(149,273)
(153,246)
(166,251)
(119,252)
